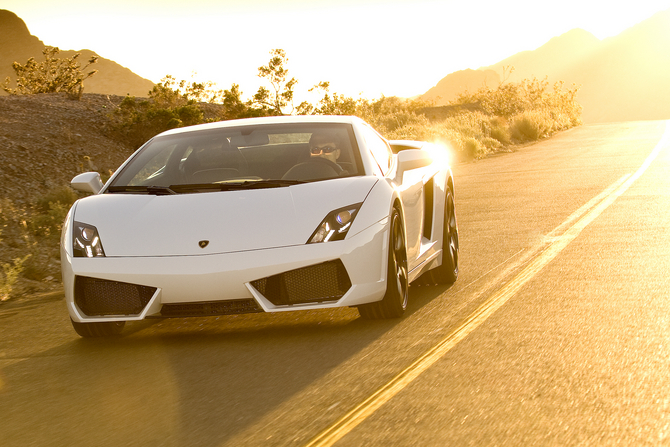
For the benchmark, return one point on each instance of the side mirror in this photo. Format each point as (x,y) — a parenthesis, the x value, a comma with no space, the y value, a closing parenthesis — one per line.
(412,159)
(87,182)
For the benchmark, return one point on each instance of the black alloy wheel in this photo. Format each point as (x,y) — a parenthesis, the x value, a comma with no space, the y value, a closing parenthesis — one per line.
(394,303)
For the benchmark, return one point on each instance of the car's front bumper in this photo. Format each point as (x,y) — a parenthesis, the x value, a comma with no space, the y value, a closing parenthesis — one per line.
(224,283)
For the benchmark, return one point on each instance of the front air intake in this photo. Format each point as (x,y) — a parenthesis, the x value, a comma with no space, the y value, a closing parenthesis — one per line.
(317,283)
(205,309)
(100,297)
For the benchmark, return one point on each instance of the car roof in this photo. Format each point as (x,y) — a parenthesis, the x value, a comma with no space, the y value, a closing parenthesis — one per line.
(292,119)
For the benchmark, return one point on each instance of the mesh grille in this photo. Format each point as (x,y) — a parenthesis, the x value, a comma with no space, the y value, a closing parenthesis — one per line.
(96,297)
(229,307)
(322,282)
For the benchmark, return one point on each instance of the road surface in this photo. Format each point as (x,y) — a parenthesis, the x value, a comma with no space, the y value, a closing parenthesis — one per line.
(556,333)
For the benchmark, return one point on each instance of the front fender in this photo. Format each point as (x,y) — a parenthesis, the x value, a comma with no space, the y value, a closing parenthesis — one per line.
(66,232)
(376,207)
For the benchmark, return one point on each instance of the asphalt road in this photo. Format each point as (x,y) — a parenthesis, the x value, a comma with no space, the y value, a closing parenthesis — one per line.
(556,333)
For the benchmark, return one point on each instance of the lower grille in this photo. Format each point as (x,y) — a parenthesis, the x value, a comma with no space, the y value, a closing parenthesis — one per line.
(98,297)
(317,283)
(229,307)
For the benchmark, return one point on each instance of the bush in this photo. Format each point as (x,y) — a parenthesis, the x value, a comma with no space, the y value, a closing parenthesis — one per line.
(50,76)
(480,122)
(31,237)
(137,121)
(531,126)
(10,274)
(473,148)
(491,144)
(500,131)
(49,212)
(515,113)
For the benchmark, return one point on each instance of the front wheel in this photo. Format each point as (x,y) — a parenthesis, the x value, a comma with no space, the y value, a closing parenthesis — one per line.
(394,303)
(104,329)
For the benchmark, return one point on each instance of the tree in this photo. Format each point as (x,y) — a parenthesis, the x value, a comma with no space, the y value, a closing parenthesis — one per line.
(276,73)
(329,104)
(52,75)
(167,107)
(234,107)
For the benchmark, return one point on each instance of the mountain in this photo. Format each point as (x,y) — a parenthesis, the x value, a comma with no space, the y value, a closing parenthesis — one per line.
(458,82)
(18,45)
(627,78)
(567,49)
(621,78)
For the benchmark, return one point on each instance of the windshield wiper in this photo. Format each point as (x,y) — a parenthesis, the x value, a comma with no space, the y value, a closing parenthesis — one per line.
(155,190)
(232,186)
(250,184)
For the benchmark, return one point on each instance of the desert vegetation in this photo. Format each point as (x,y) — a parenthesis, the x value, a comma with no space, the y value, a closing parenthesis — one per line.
(53,74)
(474,125)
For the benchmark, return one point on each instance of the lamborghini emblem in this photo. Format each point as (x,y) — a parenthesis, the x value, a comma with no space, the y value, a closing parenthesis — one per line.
(203,244)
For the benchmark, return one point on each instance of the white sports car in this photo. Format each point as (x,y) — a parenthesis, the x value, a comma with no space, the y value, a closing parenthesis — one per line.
(259,215)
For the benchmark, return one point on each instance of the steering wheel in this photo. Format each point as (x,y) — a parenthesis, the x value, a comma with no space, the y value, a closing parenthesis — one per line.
(337,168)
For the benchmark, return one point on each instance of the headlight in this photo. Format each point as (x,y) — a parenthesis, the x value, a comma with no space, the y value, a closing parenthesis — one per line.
(336,225)
(85,241)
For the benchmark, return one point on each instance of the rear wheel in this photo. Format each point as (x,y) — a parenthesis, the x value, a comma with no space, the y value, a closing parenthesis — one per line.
(394,303)
(104,329)
(447,273)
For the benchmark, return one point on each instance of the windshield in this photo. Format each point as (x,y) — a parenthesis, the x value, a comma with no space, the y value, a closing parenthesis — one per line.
(239,157)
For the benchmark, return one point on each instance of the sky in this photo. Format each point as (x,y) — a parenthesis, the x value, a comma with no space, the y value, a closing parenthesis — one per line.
(363,48)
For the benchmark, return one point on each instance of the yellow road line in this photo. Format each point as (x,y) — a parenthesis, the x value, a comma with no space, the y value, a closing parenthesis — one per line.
(354,417)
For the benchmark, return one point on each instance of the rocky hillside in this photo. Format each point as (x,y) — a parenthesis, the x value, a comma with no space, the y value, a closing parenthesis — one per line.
(47,139)
(18,45)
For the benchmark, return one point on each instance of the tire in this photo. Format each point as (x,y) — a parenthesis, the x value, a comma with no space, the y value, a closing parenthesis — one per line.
(105,329)
(394,303)
(447,273)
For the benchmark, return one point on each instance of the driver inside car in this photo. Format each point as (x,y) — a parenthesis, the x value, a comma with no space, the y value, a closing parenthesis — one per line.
(324,145)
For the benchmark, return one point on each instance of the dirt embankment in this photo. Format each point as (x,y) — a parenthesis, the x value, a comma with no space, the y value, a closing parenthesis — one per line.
(45,140)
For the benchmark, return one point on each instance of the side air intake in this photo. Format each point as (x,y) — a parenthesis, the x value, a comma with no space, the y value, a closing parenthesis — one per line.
(317,283)
(100,297)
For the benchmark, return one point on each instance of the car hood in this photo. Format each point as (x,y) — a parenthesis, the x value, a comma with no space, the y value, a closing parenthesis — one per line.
(231,221)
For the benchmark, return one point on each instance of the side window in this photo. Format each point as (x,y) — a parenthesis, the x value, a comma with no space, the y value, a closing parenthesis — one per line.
(379,148)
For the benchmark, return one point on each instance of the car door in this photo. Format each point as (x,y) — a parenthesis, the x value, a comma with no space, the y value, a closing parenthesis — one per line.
(411,193)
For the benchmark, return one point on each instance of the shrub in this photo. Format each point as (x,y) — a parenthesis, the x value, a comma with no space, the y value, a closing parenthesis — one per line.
(473,148)
(49,212)
(139,120)
(491,144)
(515,112)
(31,236)
(328,104)
(480,122)
(51,75)
(500,131)
(10,275)
(530,126)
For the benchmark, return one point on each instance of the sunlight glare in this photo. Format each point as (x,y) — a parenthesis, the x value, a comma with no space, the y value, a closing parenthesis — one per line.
(441,153)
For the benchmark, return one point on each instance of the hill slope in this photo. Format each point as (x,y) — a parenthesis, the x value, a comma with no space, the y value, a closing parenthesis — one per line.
(458,82)
(18,45)
(550,59)
(622,78)
(44,139)
(627,78)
